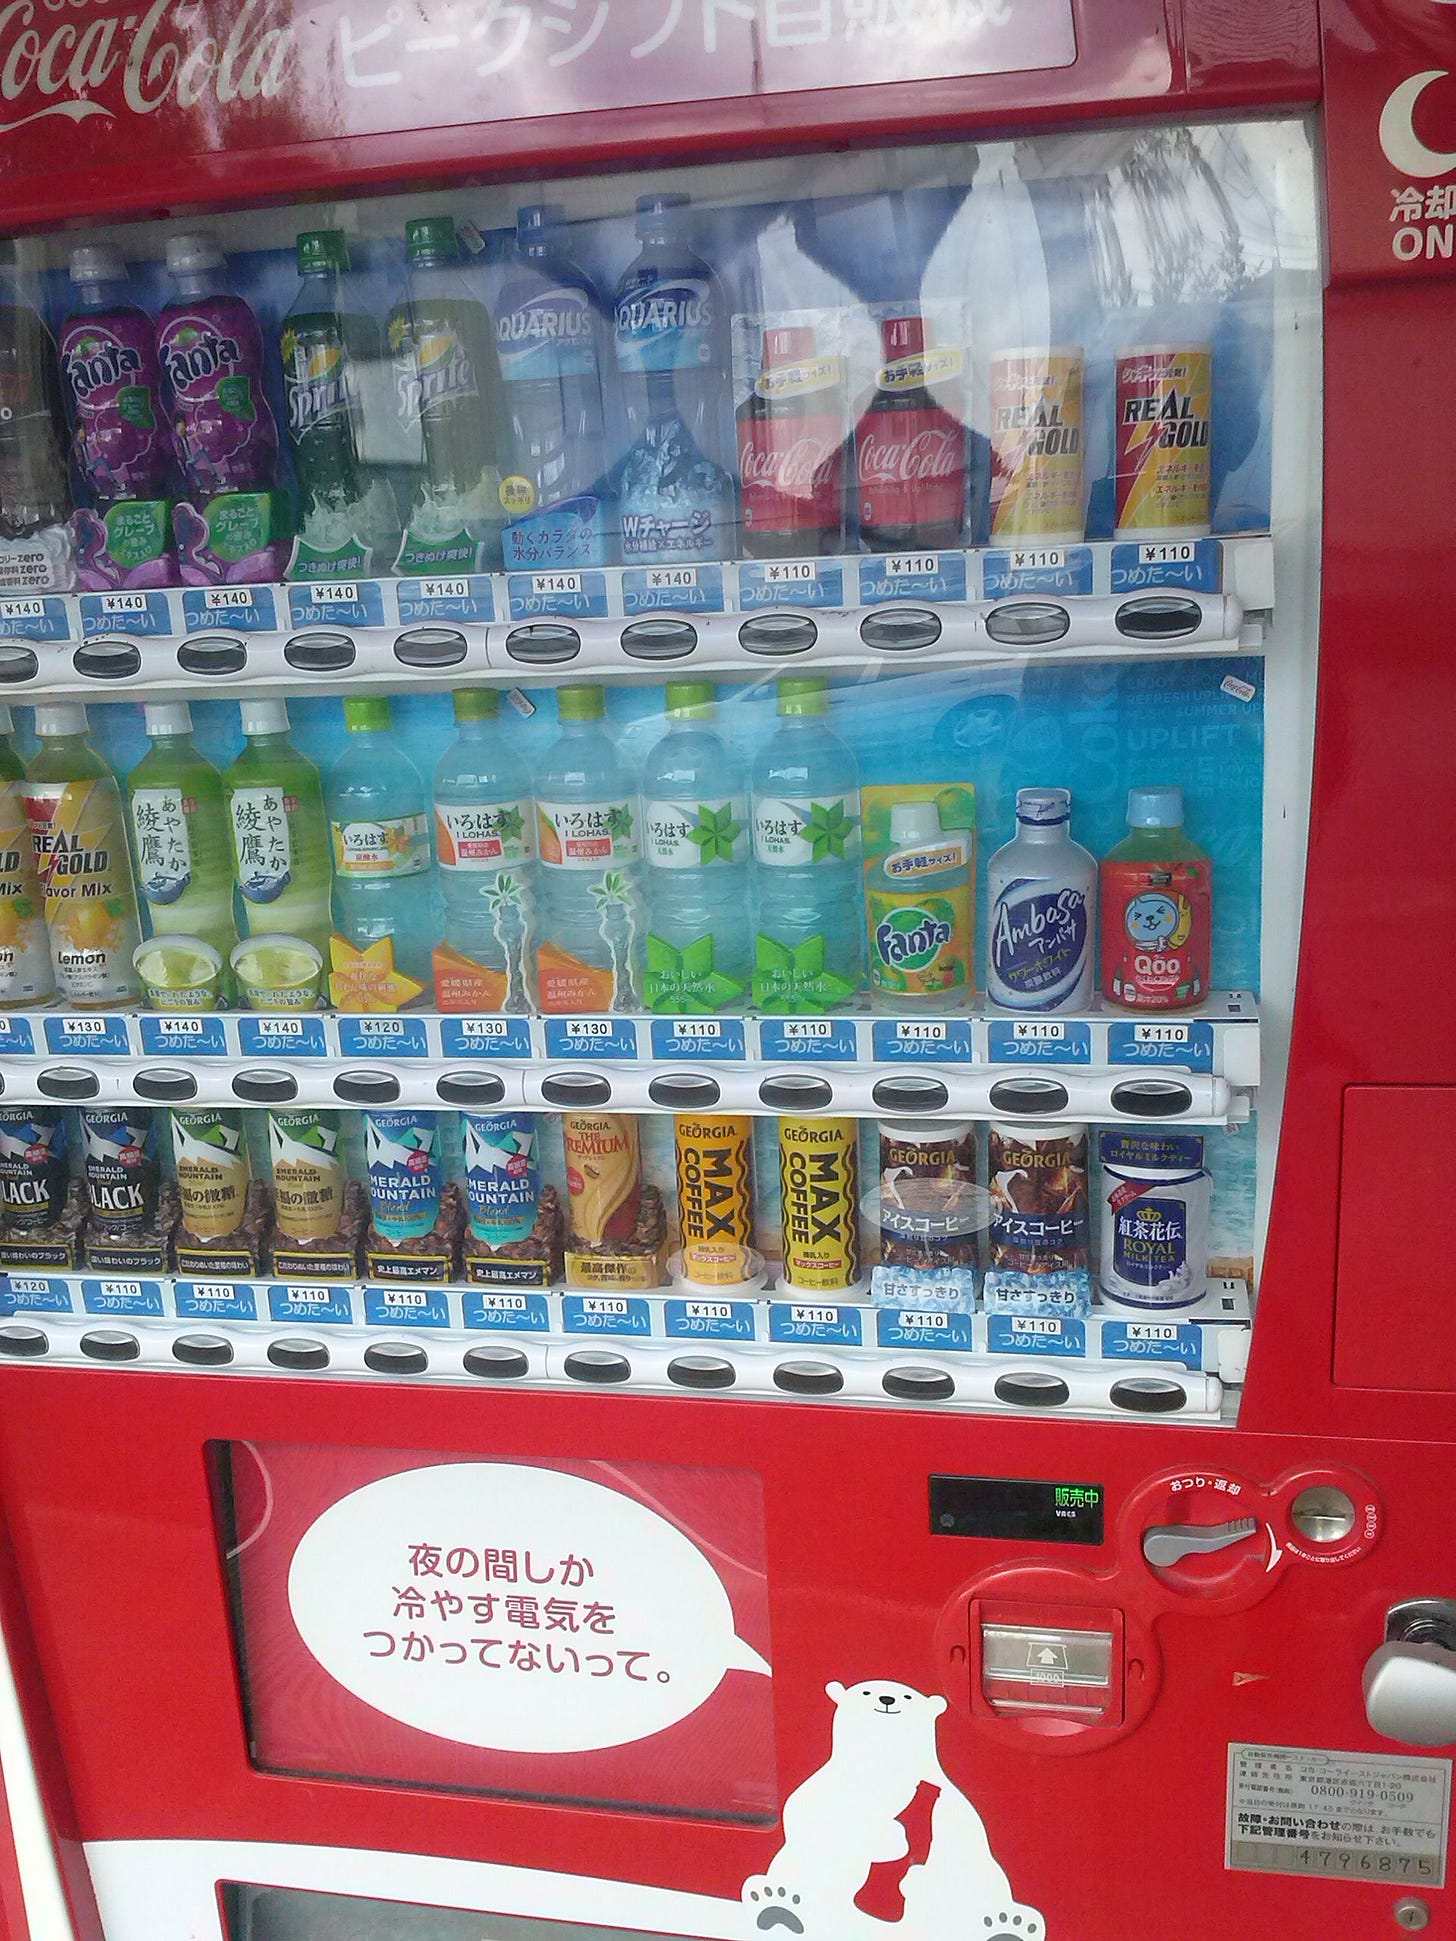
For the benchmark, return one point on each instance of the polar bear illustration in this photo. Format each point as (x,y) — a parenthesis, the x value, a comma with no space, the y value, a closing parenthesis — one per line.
(845,1818)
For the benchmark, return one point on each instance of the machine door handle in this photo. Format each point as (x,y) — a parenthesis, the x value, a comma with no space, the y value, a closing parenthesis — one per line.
(1170,1543)
(1410,1682)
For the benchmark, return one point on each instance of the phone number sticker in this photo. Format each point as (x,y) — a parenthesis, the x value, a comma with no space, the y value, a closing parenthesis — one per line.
(1348,1815)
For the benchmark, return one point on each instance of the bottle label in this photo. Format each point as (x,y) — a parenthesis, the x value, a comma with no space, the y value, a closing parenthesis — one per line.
(683,835)
(587,835)
(406,1177)
(390,846)
(436,371)
(213,1173)
(120,443)
(546,333)
(792,471)
(85,877)
(502,1176)
(163,852)
(484,836)
(1040,933)
(308,1175)
(686,979)
(1150,1242)
(1156,933)
(1039,1201)
(791,831)
(920,941)
(262,848)
(315,380)
(119,1162)
(25,958)
(911,468)
(666,325)
(1036,445)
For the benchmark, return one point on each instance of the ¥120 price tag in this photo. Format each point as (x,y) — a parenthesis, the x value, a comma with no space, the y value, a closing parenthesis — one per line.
(383,1038)
(591,1038)
(899,1041)
(1043,1041)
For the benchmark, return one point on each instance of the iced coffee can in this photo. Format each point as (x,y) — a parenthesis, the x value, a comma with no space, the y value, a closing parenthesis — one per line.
(1164,419)
(1037,445)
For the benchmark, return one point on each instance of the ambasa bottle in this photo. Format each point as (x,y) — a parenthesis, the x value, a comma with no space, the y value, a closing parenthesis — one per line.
(910,449)
(791,440)
(1157,909)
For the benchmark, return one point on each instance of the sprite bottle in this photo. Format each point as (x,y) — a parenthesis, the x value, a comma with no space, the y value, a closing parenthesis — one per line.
(331,351)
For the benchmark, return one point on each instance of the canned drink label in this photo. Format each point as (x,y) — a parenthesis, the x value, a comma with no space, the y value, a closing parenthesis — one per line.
(603,1176)
(1165,1152)
(1150,1241)
(819,1202)
(213,1171)
(406,1178)
(308,1174)
(33,1166)
(1157,933)
(1039,1199)
(119,1162)
(502,1175)
(1164,420)
(715,1199)
(1037,445)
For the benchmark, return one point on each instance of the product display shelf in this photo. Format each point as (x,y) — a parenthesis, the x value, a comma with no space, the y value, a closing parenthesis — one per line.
(1186,598)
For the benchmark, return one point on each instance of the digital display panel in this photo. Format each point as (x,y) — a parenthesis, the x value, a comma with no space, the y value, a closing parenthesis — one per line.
(1016,1509)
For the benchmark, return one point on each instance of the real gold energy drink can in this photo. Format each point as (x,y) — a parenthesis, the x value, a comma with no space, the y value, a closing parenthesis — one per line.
(819,1197)
(1164,416)
(1037,445)
(715,1199)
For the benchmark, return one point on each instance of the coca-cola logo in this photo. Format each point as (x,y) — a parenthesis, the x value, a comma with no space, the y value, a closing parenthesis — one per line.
(935,452)
(150,59)
(798,467)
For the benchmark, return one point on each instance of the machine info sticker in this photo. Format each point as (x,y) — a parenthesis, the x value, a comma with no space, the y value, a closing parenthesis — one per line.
(1351,1815)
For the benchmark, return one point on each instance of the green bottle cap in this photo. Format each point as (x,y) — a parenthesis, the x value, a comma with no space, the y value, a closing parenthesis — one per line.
(322,249)
(586,703)
(808,694)
(695,699)
(476,703)
(367,713)
(431,236)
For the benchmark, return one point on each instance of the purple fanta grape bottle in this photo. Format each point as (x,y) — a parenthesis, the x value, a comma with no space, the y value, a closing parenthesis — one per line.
(108,349)
(211,352)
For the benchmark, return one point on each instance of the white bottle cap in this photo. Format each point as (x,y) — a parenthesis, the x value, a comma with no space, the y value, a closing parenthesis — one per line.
(915,822)
(61,718)
(265,717)
(167,718)
(1043,805)
(96,264)
(197,250)
(1158,808)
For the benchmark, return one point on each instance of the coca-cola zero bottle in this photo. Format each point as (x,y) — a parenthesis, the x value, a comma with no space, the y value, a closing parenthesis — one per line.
(910,452)
(791,450)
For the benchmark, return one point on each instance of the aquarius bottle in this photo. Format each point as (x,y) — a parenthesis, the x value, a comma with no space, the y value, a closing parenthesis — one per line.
(590,930)
(181,836)
(25,957)
(280,839)
(485,842)
(384,897)
(695,834)
(809,952)
(1042,892)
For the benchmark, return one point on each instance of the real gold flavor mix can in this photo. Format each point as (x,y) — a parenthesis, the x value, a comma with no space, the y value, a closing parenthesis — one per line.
(1037,445)
(819,1196)
(1164,422)
(715,1198)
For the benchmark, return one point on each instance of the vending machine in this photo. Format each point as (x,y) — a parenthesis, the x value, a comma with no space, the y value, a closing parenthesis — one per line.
(721,1203)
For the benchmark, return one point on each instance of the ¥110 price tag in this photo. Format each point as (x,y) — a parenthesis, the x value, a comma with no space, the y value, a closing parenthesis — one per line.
(215,1301)
(699,1038)
(931,1328)
(1035,1334)
(517,1310)
(1036,569)
(122,1297)
(806,1321)
(1185,1042)
(319,1303)
(831,1040)
(900,1041)
(1178,1341)
(1194,564)
(937,577)
(591,1038)
(791,582)
(708,1320)
(605,1314)
(407,1307)
(1042,1041)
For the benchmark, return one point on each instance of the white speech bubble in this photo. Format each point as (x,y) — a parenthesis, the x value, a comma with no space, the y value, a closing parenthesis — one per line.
(654,1648)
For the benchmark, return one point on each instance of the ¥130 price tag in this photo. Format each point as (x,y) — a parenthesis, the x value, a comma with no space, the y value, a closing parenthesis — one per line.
(591,1038)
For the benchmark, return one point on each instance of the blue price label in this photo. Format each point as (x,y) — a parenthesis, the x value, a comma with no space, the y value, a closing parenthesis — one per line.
(469,597)
(1045,1041)
(804,1321)
(314,1303)
(188,1035)
(924,1328)
(521,1312)
(138,616)
(672,589)
(406,1307)
(267,1037)
(831,1039)
(1196,564)
(912,576)
(900,1041)
(486,1037)
(1161,1041)
(605,1314)
(1035,1334)
(40,1294)
(233,609)
(383,1038)
(1037,569)
(17,1040)
(34,616)
(336,603)
(790,583)
(215,1301)
(565,596)
(707,1320)
(1178,1341)
(122,1297)
(698,1038)
(92,1037)
(591,1038)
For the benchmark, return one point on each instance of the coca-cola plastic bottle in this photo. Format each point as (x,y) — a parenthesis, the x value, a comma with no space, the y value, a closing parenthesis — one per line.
(911,453)
(791,450)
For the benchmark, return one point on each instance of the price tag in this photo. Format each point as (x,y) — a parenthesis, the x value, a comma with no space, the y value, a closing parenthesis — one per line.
(90,1036)
(122,1297)
(238,609)
(1048,1041)
(945,1041)
(791,582)
(140,616)
(710,1320)
(605,1314)
(924,1328)
(336,603)
(215,1301)
(1196,564)
(912,576)
(520,1313)
(17,1040)
(1035,1334)
(406,1307)
(1178,1341)
(832,1040)
(672,589)
(591,1038)
(466,598)
(190,1035)
(806,1321)
(383,1038)
(1037,569)
(40,1294)
(567,596)
(1188,1043)
(34,616)
(268,1037)
(316,1303)
(486,1037)
(699,1038)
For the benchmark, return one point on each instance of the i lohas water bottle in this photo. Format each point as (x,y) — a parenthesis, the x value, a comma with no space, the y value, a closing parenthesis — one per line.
(695,841)
(809,952)
(670,325)
(384,914)
(588,955)
(1042,891)
(485,842)
(550,331)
